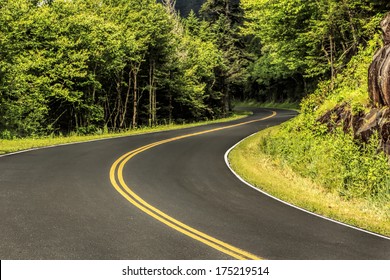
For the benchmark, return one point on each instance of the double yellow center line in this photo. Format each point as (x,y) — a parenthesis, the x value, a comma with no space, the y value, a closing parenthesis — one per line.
(116,177)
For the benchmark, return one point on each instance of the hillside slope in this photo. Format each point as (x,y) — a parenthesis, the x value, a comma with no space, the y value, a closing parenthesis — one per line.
(325,143)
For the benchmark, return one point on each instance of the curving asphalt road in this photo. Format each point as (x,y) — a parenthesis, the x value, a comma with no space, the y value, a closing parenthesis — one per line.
(70,202)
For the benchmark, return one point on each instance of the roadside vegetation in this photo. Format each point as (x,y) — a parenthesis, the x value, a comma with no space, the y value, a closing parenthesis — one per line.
(20,144)
(269,104)
(278,177)
(336,160)
(318,161)
(83,66)
(87,69)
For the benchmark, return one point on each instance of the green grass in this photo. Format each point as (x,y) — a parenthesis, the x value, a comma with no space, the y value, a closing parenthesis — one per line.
(270,104)
(277,178)
(324,168)
(15,145)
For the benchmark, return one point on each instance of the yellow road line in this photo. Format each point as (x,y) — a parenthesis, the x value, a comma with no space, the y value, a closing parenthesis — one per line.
(116,177)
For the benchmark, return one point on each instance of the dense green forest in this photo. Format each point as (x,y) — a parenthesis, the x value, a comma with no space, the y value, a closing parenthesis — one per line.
(89,65)
(185,6)
(321,51)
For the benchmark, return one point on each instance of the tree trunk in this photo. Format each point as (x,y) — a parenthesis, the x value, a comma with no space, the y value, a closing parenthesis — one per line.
(351,24)
(151,86)
(123,118)
(135,98)
(170,108)
(118,101)
(153,91)
(332,67)
(154,107)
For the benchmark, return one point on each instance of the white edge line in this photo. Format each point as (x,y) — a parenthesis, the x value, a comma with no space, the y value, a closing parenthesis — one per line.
(228,165)
(289,204)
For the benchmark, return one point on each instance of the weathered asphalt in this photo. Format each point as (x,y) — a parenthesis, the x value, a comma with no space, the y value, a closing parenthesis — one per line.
(59,203)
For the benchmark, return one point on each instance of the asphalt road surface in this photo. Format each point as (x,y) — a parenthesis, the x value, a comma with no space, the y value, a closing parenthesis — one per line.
(170,200)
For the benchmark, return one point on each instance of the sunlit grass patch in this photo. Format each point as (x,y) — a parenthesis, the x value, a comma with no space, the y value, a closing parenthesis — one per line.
(277,178)
(14,145)
(268,104)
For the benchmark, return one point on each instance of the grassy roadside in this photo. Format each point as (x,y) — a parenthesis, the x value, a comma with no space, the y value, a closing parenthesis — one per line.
(279,180)
(9,146)
(269,104)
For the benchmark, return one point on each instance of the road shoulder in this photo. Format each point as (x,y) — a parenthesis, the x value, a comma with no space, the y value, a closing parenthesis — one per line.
(276,179)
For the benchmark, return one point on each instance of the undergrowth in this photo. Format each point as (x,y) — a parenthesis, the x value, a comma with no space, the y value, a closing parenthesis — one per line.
(335,160)
(277,177)
(19,144)
(293,105)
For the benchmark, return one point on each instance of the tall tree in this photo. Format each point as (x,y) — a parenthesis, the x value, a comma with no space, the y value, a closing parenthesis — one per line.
(225,18)
(306,40)
(87,65)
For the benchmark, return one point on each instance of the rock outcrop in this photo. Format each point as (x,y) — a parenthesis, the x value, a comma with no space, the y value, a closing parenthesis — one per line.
(363,126)
(379,71)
